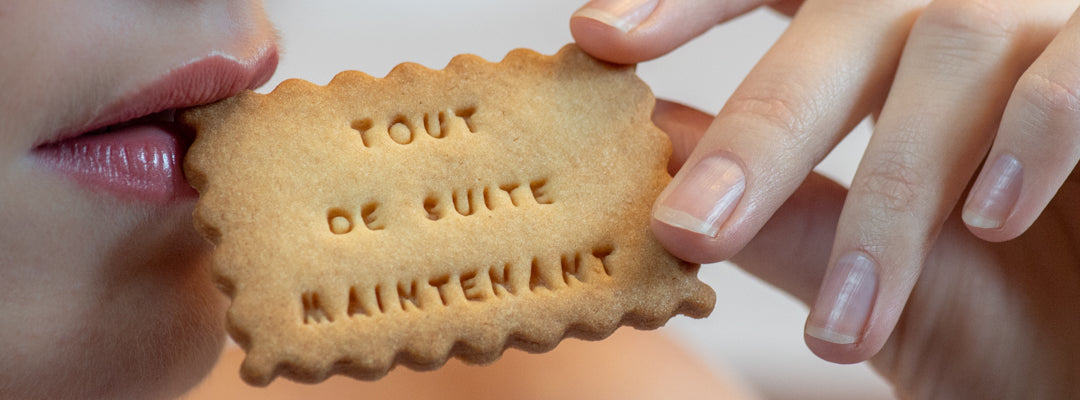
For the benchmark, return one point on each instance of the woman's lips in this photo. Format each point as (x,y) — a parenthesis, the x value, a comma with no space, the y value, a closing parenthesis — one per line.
(133,149)
(138,161)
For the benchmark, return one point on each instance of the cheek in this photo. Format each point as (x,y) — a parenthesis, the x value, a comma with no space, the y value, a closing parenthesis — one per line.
(128,313)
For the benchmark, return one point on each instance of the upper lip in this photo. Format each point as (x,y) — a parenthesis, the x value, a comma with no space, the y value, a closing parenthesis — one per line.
(200,81)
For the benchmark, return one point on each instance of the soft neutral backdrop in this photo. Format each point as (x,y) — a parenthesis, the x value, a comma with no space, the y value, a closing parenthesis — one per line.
(755,331)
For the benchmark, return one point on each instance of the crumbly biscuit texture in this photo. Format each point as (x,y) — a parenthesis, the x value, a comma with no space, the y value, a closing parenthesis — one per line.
(436,213)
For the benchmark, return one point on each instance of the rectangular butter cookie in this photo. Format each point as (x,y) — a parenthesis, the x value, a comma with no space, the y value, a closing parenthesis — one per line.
(436,213)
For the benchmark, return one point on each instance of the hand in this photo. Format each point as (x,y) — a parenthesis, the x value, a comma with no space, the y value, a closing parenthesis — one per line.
(953,82)
(985,320)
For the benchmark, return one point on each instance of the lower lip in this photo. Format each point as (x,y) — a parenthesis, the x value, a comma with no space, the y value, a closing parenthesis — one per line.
(139,162)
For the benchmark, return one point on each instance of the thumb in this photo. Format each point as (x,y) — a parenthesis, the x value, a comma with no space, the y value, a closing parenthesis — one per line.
(631,31)
(684,125)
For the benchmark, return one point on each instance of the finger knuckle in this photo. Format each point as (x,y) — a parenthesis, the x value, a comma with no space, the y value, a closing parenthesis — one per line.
(971,18)
(1051,92)
(780,112)
(892,181)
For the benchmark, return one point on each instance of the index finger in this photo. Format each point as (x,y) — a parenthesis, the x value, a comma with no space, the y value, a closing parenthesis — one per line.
(828,71)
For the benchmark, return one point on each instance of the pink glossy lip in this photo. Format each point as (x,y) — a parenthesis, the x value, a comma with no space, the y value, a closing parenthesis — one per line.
(133,148)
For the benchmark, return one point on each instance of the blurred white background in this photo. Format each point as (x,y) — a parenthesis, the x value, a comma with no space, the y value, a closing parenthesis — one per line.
(755,333)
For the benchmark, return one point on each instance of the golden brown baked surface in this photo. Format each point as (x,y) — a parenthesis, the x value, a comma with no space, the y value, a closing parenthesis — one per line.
(430,214)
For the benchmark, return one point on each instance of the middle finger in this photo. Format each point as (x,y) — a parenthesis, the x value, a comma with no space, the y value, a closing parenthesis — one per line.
(957,70)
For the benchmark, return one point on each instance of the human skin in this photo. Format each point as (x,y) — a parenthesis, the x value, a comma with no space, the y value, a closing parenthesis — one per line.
(105,289)
(950,292)
(104,286)
(985,321)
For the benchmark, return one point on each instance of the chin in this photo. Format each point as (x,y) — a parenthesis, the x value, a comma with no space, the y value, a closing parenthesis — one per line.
(138,318)
(162,354)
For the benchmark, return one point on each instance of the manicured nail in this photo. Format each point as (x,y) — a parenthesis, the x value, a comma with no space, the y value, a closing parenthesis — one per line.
(844,303)
(624,15)
(702,198)
(994,194)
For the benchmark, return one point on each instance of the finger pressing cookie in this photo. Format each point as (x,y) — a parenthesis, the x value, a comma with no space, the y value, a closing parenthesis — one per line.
(430,214)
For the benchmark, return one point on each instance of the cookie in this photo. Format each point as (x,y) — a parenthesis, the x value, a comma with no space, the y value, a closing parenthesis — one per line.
(431,214)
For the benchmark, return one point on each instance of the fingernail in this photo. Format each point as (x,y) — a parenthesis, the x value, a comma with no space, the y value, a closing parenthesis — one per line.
(702,198)
(844,303)
(994,194)
(624,15)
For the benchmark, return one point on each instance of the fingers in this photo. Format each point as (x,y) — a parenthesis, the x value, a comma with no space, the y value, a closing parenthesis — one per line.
(778,124)
(791,251)
(631,31)
(1037,146)
(959,66)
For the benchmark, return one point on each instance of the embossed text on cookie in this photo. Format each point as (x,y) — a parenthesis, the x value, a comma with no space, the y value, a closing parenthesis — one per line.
(430,214)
